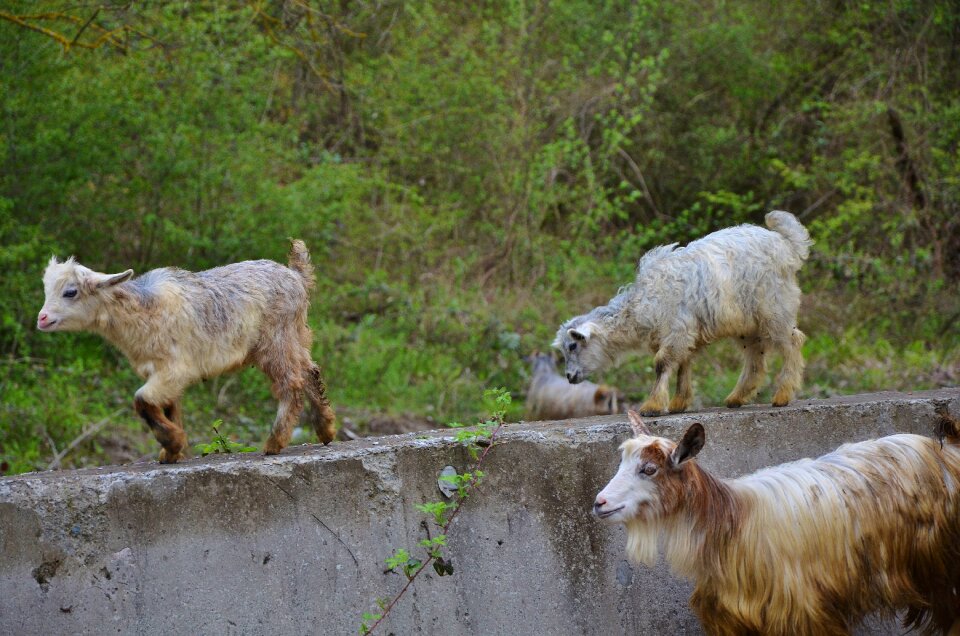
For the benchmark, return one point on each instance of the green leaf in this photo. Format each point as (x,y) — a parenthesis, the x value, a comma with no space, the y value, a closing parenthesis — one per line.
(436,508)
(398,558)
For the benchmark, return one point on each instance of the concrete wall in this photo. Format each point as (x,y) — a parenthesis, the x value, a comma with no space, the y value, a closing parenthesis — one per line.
(295,544)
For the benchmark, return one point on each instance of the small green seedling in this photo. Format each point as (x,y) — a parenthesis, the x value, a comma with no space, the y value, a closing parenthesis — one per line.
(220,444)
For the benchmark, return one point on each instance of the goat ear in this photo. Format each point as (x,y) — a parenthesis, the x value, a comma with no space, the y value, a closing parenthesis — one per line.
(639,428)
(547,358)
(99,281)
(116,279)
(601,394)
(582,332)
(538,360)
(689,446)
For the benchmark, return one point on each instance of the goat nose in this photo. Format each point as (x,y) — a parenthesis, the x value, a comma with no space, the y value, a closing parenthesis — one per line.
(43,317)
(571,376)
(599,503)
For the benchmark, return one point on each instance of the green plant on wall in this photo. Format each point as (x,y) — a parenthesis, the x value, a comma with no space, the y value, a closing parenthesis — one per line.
(478,440)
(220,444)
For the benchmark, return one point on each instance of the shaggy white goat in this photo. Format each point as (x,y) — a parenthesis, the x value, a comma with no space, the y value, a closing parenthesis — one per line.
(735,283)
(178,327)
(551,397)
(809,547)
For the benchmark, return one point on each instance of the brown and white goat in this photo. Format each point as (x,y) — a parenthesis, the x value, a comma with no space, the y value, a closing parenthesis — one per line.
(808,547)
(178,327)
(551,397)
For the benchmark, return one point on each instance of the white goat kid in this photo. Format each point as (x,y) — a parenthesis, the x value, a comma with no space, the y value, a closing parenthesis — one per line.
(809,547)
(551,397)
(739,282)
(178,327)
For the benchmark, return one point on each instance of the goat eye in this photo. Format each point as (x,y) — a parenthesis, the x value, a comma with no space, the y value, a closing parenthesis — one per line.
(70,293)
(649,469)
(573,346)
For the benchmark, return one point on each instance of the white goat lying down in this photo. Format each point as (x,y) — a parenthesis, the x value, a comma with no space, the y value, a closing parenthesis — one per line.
(178,327)
(808,547)
(551,397)
(740,282)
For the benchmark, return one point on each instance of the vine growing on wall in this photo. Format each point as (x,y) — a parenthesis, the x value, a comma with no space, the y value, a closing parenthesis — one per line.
(478,440)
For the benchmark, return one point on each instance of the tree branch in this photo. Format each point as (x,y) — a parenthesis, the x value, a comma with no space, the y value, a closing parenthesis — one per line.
(55,463)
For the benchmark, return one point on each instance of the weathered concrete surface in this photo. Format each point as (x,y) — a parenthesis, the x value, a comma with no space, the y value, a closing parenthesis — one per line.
(295,544)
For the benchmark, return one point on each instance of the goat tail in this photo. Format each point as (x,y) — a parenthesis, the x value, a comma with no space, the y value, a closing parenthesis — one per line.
(787,225)
(299,261)
(947,428)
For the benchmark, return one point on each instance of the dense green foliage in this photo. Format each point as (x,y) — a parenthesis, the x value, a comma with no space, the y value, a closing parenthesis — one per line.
(467,175)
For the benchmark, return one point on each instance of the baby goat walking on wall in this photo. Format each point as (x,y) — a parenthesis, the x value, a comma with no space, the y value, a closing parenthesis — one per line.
(809,547)
(178,327)
(740,282)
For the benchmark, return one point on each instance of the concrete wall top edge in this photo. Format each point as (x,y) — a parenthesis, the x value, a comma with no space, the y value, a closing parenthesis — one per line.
(560,432)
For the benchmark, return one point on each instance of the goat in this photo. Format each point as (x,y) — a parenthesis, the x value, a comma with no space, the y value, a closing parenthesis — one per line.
(178,327)
(738,282)
(551,397)
(808,547)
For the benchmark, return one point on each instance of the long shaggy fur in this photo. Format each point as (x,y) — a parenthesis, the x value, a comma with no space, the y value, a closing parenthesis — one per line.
(178,327)
(551,397)
(813,546)
(735,283)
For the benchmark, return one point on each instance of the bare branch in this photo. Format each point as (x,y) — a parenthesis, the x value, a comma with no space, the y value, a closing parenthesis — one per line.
(55,463)
(84,27)
(32,22)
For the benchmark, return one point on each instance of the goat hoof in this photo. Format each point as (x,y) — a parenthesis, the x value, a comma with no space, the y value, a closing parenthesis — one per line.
(733,404)
(781,399)
(677,406)
(272,448)
(651,412)
(327,435)
(326,428)
(168,457)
